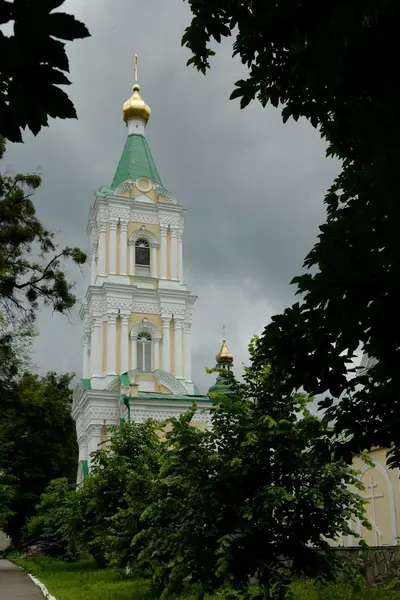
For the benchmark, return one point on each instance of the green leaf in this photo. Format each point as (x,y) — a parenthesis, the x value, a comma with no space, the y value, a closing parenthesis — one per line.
(66,27)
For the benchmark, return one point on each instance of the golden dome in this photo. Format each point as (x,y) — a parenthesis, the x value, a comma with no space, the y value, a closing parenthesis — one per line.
(224,357)
(135,107)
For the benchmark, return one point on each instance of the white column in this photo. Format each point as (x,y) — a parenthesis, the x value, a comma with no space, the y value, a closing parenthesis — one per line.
(153,268)
(111,344)
(156,348)
(83,447)
(101,258)
(166,343)
(86,363)
(123,243)
(131,268)
(173,253)
(180,257)
(124,344)
(112,251)
(163,251)
(96,347)
(133,353)
(93,264)
(188,352)
(178,347)
(94,441)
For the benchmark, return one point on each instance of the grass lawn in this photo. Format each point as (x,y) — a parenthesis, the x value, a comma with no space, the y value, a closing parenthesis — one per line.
(82,580)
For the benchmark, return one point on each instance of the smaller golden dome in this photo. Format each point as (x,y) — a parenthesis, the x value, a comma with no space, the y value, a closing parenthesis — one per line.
(224,357)
(135,107)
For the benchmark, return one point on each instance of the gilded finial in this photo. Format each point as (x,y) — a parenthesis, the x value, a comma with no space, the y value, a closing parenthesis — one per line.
(135,107)
(135,74)
(224,357)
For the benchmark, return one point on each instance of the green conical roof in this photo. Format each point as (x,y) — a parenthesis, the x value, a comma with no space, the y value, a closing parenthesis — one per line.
(221,386)
(136,161)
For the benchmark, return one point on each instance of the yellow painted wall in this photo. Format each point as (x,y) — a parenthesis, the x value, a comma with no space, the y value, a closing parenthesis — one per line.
(199,424)
(163,389)
(104,347)
(103,436)
(137,317)
(152,227)
(387,501)
(134,193)
(144,378)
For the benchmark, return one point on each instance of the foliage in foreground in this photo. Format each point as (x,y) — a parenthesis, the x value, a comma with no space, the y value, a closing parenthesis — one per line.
(119,488)
(37,442)
(83,581)
(257,496)
(330,66)
(33,63)
(31,264)
(54,522)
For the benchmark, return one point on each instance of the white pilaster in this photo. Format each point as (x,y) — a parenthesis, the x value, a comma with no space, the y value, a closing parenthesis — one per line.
(101,258)
(133,353)
(131,269)
(86,358)
(178,347)
(124,344)
(156,348)
(123,243)
(166,321)
(154,260)
(173,253)
(188,351)
(93,441)
(111,344)
(180,257)
(163,251)
(83,447)
(112,251)
(93,263)
(96,347)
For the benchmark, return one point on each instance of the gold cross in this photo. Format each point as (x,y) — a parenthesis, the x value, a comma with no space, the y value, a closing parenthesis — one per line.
(136,68)
(223,332)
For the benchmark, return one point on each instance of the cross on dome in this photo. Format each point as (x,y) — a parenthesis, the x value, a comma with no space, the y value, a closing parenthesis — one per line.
(135,107)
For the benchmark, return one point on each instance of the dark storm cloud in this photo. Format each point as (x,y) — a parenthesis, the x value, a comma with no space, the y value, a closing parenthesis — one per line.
(253,187)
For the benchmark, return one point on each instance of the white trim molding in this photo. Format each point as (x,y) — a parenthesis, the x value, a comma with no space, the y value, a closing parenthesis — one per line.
(145,326)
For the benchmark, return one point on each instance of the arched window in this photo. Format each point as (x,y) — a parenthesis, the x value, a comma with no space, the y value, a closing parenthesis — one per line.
(142,257)
(144,352)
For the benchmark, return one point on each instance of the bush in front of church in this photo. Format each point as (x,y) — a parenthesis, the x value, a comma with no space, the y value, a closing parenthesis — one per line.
(52,530)
(255,498)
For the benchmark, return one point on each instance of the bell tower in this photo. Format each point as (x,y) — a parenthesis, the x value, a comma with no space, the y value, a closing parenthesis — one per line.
(137,313)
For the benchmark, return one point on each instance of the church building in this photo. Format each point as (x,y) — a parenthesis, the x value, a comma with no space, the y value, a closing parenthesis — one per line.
(137,321)
(137,314)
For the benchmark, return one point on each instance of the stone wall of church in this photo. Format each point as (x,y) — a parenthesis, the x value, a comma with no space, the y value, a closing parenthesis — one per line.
(378,565)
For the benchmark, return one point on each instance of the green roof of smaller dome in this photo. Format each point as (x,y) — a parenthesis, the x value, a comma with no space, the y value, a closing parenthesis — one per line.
(220,387)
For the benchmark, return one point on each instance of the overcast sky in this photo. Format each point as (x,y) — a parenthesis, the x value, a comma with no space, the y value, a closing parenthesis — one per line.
(253,187)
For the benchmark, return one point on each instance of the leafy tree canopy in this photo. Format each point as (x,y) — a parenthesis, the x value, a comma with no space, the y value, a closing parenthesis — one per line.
(118,489)
(54,525)
(37,442)
(257,496)
(31,264)
(33,64)
(330,64)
